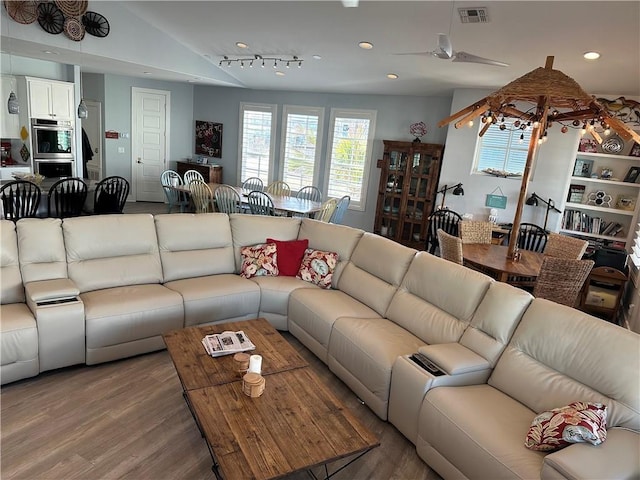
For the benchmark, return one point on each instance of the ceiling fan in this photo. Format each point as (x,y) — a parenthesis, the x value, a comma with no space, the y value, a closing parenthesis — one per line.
(446,52)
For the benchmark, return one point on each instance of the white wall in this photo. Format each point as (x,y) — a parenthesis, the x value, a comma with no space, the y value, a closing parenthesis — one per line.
(551,171)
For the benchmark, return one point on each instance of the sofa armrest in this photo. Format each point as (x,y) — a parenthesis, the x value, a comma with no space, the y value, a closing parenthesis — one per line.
(50,292)
(455,359)
(617,457)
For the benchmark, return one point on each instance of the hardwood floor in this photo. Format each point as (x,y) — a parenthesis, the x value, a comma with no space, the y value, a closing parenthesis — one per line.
(127,419)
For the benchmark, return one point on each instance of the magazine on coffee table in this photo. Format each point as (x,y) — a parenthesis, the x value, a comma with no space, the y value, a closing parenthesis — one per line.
(224,343)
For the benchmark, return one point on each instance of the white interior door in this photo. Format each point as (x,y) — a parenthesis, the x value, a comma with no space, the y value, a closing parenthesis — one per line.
(93,127)
(150,112)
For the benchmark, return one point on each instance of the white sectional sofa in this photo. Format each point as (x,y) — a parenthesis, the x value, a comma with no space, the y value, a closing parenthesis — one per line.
(99,288)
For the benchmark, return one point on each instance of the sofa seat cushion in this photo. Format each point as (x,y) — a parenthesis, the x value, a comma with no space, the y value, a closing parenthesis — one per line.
(314,310)
(275,292)
(480,430)
(215,298)
(19,339)
(367,348)
(123,314)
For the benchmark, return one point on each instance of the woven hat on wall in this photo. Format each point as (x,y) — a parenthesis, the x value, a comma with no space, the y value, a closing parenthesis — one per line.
(96,24)
(74,29)
(24,12)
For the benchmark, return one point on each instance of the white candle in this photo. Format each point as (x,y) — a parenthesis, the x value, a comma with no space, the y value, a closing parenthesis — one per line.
(255,364)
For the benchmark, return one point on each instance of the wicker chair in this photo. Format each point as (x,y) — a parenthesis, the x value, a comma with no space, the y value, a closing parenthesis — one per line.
(475,232)
(201,196)
(450,247)
(327,209)
(563,246)
(561,279)
(444,219)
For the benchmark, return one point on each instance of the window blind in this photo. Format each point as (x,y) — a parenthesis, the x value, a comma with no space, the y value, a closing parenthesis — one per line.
(503,150)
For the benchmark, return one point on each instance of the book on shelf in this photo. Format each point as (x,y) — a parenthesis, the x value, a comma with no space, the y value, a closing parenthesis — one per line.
(225,343)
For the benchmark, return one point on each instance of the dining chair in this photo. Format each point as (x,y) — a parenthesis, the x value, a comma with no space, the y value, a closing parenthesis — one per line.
(532,237)
(175,198)
(446,220)
(473,231)
(563,246)
(561,279)
(252,184)
(191,175)
(201,196)
(110,195)
(260,203)
(450,247)
(310,192)
(326,210)
(341,208)
(66,198)
(227,199)
(20,199)
(279,188)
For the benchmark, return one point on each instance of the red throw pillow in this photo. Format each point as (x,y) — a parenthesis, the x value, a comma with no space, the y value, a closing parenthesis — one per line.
(290,253)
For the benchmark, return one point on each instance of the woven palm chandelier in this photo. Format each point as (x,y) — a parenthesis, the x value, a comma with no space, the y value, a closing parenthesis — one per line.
(554,98)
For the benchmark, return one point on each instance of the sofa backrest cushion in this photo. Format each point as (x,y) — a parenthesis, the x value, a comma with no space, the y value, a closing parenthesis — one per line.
(437,299)
(11,289)
(38,262)
(375,270)
(194,245)
(105,251)
(495,320)
(330,237)
(560,355)
(254,229)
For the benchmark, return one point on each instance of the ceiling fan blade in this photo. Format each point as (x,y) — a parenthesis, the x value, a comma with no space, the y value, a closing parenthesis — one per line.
(416,53)
(469,58)
(444,50)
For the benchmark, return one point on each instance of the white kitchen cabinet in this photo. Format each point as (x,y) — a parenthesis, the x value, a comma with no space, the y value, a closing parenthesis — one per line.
(9,124)
(50,99)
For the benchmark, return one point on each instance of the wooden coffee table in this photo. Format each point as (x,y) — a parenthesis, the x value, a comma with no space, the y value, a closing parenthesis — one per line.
(295,425)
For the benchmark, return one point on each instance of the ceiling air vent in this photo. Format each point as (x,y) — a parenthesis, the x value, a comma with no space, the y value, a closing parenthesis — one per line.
(474,15)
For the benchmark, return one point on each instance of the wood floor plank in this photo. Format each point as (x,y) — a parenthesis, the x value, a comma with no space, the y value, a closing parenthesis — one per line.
(127,420)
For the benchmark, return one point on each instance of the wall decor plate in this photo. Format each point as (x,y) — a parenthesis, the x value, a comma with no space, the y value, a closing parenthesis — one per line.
(613,145)
(50,18)
(24,12)
(96,24)
(74,29)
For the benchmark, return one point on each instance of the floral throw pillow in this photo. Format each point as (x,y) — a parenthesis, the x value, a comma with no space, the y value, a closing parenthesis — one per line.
(259,261)
(317,267)
(578,422)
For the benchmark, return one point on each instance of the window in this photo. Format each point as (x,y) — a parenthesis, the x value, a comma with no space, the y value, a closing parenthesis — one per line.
(300,145)
(504,150)
(350,143)
(257,134)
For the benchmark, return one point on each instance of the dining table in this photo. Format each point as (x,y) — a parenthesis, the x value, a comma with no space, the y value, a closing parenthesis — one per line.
(285,203)
(493,258)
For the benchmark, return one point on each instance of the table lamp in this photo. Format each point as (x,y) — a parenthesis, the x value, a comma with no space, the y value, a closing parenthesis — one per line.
(534,199)
(457,190)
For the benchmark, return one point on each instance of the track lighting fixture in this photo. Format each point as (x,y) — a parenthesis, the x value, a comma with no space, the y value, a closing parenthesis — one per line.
(277,61)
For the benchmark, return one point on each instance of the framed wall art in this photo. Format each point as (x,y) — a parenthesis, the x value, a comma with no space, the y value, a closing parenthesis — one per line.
(208,139)
(633,175)
(582,168)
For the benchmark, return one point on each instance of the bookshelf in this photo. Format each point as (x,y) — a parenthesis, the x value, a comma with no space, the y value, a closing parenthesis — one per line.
(603,198)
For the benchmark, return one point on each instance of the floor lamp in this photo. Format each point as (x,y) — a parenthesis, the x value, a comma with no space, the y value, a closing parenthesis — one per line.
(457,190)
(540,99)
(534,199)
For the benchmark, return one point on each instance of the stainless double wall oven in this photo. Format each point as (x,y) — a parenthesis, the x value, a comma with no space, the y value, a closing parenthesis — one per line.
(53,147)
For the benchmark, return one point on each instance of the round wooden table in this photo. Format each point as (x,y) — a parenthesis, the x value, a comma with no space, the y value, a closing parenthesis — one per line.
(494,258)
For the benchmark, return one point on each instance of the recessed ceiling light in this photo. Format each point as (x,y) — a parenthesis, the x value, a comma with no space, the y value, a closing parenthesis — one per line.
(591,55)
(147,73)
(49,52)
(241,45)
(317,57)
(392,76)
(366,45)
(279,73)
